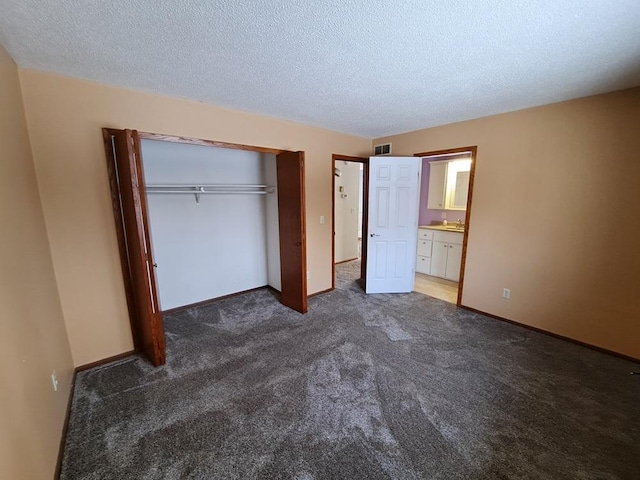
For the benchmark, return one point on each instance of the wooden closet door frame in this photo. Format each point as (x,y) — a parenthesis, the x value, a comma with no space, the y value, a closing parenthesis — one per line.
(122,234)
(365,214)
(129,202)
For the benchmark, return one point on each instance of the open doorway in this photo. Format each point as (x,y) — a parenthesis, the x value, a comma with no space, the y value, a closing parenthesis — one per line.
(444,214)
(347,211)
(349,219)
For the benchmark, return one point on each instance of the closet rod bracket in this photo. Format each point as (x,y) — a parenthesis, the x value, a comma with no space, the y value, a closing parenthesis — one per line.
(199,191)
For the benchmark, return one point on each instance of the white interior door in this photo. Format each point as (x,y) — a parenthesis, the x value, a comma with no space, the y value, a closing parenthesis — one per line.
(393,223)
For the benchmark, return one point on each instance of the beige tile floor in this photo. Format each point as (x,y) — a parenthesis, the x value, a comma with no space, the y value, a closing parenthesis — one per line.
(436,287)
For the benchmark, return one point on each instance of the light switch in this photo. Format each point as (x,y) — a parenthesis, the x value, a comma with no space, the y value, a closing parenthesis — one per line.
(321,219)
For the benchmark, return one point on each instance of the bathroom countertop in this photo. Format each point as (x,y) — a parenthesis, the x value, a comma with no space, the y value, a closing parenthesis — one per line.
(442,228)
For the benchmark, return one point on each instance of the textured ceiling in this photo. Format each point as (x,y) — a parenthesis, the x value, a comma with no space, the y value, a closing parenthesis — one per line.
(366,67)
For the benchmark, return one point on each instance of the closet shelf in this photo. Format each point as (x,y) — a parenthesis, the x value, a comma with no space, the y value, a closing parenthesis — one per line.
(211,189)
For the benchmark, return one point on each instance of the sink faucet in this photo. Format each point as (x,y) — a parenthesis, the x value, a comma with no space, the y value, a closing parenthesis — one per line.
(459,224)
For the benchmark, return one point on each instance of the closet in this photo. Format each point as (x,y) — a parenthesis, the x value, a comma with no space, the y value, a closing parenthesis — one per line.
(221,218)
(213,218)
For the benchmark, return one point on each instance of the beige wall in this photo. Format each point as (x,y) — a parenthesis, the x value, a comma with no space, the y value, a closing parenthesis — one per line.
(33,340)
(65,117)
(552,216)
(555,216)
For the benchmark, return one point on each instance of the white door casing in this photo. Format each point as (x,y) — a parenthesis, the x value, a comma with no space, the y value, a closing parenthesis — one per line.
(394,195)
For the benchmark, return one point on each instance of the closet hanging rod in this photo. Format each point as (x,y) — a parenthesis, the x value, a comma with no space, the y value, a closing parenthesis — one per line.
(211,189)
(222,188)
(205,192)
(204,185)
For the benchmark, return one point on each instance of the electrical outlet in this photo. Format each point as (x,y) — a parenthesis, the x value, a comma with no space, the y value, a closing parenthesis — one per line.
(506,293)
(321,219)
(54,381)
(443,214)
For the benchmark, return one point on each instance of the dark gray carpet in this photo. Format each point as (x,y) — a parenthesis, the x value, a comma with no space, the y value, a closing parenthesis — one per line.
(362,387)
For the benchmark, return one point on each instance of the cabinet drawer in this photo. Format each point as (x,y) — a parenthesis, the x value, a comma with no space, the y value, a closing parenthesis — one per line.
(424,248)
(449,237)
(423,264)
(424,234)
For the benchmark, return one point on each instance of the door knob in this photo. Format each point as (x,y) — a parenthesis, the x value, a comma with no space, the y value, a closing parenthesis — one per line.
(374,235)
